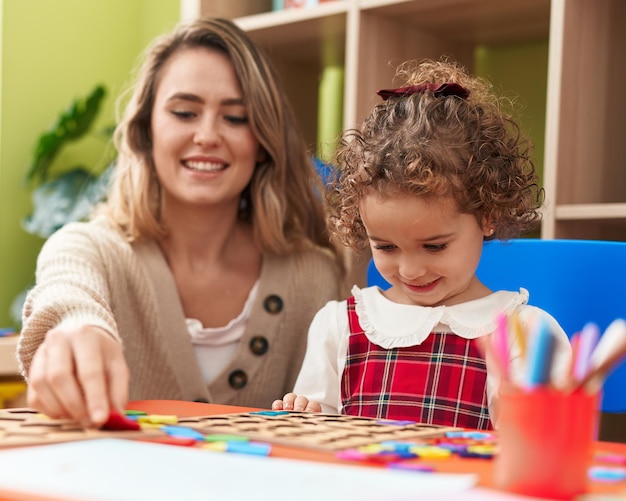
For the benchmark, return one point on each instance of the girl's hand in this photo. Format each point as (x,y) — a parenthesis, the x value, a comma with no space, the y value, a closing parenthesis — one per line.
(293,402)
(79,373)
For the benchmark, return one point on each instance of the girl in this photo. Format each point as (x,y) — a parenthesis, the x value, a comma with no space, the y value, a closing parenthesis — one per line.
(437,168)
(200,276)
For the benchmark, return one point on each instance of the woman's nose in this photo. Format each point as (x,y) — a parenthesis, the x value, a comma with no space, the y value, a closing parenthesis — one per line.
(207,133)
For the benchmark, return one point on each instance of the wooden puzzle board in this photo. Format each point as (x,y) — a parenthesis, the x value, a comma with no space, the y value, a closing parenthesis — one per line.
(21,427)
(328,432)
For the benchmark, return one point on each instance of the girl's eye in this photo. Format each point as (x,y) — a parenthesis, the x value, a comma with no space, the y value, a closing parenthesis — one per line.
(236,120)
(183,114)
(435,248)
(385,248)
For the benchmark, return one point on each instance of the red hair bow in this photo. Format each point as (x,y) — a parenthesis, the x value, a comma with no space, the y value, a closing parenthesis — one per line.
(444,89)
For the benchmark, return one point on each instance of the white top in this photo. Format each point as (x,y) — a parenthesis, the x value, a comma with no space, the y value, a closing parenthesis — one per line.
(215,347)
(393,325)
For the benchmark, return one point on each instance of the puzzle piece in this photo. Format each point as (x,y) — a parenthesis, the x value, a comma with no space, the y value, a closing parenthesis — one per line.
(117,422)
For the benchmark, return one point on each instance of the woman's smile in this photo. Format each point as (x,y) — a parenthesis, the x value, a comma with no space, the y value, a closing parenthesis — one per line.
(201,166)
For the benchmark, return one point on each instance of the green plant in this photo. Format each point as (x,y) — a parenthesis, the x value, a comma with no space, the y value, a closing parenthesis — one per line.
(68,194)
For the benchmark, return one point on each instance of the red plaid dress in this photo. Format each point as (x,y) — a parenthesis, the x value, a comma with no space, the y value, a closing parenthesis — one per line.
(441,381)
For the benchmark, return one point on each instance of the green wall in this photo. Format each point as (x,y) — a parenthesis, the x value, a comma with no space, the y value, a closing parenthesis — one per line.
(521,71)
(53,52)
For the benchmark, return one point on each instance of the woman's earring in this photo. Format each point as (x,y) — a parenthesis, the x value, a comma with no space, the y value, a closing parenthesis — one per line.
(491,230)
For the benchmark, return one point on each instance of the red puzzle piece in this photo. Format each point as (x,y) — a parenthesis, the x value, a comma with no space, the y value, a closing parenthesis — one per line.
(117,422)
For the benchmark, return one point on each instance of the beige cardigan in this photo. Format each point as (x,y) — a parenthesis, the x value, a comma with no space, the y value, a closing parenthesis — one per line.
(88,274)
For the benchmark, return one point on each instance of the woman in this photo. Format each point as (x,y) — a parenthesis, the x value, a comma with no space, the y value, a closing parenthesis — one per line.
(198,279)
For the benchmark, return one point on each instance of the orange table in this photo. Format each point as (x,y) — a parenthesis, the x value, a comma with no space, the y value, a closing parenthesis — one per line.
(483,468)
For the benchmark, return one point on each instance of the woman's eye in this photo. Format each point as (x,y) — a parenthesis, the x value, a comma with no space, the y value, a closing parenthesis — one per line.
(234,119)
(183,114)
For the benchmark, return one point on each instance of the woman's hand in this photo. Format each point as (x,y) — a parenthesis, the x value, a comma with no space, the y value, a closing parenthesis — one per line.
(79,373)
(293,402)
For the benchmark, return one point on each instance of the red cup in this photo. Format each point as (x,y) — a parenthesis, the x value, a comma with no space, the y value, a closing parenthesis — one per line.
(546,442)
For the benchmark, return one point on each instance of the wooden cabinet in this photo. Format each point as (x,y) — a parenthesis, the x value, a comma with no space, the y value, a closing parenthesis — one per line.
(585,141)
(585,157)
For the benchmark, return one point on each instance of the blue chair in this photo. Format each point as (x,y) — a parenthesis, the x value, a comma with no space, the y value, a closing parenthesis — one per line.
(576,281)
(375,278)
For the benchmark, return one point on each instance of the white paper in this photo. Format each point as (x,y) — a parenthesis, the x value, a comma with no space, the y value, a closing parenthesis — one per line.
(121,470)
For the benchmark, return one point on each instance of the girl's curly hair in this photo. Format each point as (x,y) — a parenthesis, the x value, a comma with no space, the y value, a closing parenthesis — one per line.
(471,149)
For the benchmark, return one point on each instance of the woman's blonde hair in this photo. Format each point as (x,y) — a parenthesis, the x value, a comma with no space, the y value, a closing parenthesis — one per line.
(282,200)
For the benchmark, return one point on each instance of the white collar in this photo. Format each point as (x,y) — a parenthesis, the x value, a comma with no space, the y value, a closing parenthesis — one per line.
(391,325)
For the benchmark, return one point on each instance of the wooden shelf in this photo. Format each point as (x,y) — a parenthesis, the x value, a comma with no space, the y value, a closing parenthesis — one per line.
(585,139)
(301,35)
(284,19)
(591,211)
(585,158)
(470,21)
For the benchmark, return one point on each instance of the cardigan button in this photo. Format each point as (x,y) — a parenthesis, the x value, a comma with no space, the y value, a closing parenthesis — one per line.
(259,345)
(238,379)
(273,304)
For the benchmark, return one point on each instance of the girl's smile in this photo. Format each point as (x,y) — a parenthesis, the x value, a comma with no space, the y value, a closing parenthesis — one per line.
(425,287)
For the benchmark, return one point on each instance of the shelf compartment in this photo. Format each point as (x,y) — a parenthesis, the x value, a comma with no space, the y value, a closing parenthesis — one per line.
(301,43)
(477,22)
(591,229)
(588,114)
(395,31)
